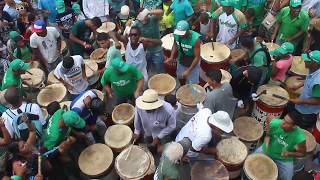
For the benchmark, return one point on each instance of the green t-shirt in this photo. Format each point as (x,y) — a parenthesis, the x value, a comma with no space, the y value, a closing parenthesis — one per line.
(258,7)
(54,135)
(167,169)
(316,90)
(124,84)
(82,32)
(187,44)
(239,4)
(25,53)
(260,60)
(150,30)
(289,27)
(281,140)
(10,79)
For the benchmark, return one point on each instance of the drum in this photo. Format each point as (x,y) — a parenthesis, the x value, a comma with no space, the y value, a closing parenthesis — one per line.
(118,137)
(53,92)
(259,167)
(316,130)
(249,131)
(291,83)
(298,67)
(167,44)
(134,163)
(209,170)
(91,68)
(236,55)
(35,78)
(64,49)
(268,104)
(214,55)
(65,104)
(123,114)
(106,27)
(164,84)
(34,64)
(311,145)
(52,79)
(271,46)
(226,77)
(232,153)
(99,55)
(96,160)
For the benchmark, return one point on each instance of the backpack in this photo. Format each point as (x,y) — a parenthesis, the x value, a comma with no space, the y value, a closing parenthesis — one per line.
(268,65)
(20,128)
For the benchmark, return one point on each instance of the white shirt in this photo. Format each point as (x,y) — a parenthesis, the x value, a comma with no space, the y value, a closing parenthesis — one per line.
(47,45)
(308,4)
(95,8)
(35,109)
(228,28)
(197,130)
(74,76)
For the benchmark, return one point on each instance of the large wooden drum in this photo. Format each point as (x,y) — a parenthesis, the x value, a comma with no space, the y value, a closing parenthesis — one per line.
(298,67)
(236,55)
(232,153)
(226,77)
(214,55)
(35,77)
(135,165)
(91,67)
(52,79)
(291,83)
(249,131)
(53,92)
(99,55)
(167,44)
(118,137)
(123,114)
(268,103)
(209,170)
(96,160)
(259,167)
(164,84)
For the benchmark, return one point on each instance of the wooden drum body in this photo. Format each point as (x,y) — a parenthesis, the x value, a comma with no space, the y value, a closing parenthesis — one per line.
(291,83)
(259,167)
(118,137)
(268,104)
(209,170)
(167,44)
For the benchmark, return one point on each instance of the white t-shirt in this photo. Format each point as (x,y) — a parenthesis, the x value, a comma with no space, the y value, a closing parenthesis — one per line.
(197,130)
(35,109)
(47,45)
(74,76)
(228,28)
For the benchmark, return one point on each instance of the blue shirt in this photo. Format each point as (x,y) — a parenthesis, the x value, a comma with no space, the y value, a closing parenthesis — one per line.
(182,9)
(11,11)
(49,5)
(311,80)
(79,107)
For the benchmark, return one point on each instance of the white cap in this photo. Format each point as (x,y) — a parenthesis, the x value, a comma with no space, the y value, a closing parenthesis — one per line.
(125,10)
(222,121)
(143,14)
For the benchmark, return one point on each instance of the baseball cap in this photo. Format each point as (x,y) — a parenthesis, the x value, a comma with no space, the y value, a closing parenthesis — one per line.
(221,120)
(285,48)
(124,12)
(76,8)
(38,26)
(226,3)
(311,56)
(119,64)
(72,119)
(182,28)
(19,64)
(61,8)
(14,34)
(295,3)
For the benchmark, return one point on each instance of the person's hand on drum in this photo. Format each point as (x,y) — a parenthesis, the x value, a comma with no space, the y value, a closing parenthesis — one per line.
(137,93)
(186,74)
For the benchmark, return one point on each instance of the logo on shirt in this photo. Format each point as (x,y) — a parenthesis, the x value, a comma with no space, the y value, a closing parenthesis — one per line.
(121,82)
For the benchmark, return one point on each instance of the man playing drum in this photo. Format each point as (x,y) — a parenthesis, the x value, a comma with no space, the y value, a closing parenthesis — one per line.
(283,143)
(154,117)
(187,45)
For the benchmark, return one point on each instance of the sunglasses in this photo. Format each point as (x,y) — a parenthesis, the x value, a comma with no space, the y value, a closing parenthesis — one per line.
(134,34)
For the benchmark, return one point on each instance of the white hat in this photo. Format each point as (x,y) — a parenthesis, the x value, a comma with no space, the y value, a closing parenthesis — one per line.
(222,121)
(124,12)
(143,14)
(149,100)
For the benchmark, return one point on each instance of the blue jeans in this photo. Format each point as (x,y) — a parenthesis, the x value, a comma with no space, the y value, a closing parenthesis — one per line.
(155,62)
(285,168)
(194,75)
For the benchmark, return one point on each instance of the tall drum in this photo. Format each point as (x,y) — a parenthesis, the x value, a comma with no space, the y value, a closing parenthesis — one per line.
(272,102)
(167,44)
(232,153)
(52,78)
(209,170)
(118,137)
(214,55)
(259,167)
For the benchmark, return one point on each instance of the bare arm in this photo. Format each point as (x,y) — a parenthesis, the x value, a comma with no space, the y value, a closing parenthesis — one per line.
(157,12)
(310,101)
(196,59)
(108,90)
(300,152)
(74,39)
(139,87)
(6,136)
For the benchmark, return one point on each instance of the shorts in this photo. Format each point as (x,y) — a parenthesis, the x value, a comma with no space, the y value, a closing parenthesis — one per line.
(194,75)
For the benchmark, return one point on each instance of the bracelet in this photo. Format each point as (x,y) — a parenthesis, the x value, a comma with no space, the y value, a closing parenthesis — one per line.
(15,177)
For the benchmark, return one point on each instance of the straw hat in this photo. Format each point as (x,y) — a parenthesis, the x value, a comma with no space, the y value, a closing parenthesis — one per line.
(54,92)
(298,66)
(149,100)
(162,83)
(219,53)
(106,27)
(222,121)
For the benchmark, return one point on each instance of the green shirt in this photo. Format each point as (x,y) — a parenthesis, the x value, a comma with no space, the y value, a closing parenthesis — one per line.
(239,4)
(258,7)
(25,53)
(82,32)
(187,44)
(124,84)
(288,26)
(54,135)
(281,140)
(167,169)
(10,79)
(316,90)
(260,60)
(150,30)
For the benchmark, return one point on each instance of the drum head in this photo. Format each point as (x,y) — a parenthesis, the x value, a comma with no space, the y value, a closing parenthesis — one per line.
(209,170)
(269,99)
(231,151)
(52,79)
(118,136)
(167,41)
(106,27)
(248,129)
(294,81)
(163,83)
(298,66)
(190,94)
(236,53)
(35,79)
(53,92)
(98,54)
(123,114)
(91,67)
(260,167)
(271,46)
(135,166)
(95,159)
(310,142)
(219,53)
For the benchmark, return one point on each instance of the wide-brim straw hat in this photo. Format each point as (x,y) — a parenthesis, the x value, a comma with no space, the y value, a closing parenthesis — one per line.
(106,27)
(149,100)
(163,83)
(214,52)
(51,93)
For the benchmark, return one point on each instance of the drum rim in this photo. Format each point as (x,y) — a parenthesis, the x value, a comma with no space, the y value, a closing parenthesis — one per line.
(37,85)
(202,99)
(211,164)
(271,106)
(53,86)
(124,145)
(252,139)
(127,122)
(220,62)
(167,76)
(233,163)
(111,163)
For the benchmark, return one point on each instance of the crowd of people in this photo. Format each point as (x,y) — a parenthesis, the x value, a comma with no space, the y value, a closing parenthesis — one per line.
(57,36)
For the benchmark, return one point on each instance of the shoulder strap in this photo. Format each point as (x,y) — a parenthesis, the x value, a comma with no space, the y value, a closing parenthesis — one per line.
(180,49)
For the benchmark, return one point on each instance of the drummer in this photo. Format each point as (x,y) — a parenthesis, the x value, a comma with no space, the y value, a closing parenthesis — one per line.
(283,143)
(154,118)
(187,45)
